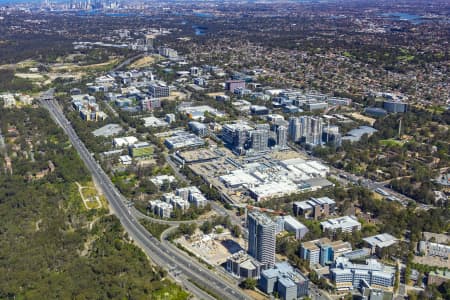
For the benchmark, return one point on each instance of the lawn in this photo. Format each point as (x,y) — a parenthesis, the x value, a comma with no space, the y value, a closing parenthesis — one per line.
(392,142)
(170,292)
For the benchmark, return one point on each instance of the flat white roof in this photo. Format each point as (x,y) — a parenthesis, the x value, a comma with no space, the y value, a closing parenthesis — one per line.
(274,188)
(238,178)
(293,222)
(342,222)
(381,240)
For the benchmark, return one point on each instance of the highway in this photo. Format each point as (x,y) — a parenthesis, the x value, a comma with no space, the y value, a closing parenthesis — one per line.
(159,253)
(128,61)
(139,215)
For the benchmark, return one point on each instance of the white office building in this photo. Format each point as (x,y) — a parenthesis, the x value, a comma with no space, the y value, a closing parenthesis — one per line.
(345,224)
(347,276)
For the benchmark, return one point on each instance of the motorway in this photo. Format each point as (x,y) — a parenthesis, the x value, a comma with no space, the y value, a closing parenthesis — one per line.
(187,270)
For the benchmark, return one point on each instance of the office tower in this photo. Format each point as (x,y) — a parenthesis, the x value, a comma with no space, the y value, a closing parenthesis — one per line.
(316,130)
(282,136)
(260,139)
(261,238)
(158,90)
(311,130)
(305,126)
(295,128)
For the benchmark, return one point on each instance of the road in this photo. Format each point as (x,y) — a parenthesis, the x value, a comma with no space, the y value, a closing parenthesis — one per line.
(127,62)
(139,215)
(159,253)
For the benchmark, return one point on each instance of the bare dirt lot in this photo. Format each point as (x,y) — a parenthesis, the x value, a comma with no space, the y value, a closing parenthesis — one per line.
(212,248)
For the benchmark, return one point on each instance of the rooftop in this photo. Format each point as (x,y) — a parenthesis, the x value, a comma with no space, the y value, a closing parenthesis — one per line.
(261,218)
(287,275)
(108,130)
(293,222)
(381,240)
(342,222)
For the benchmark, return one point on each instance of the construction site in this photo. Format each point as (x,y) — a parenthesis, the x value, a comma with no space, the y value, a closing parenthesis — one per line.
(213,248)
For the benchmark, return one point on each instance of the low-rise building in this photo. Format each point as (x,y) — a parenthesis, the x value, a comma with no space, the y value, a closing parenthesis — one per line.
(161,209)
(290,224)
(345,224)
(438,277)
(242,265)
(355,135)
(315,208)
(159,180)
(125,160)
(124,141)
(198,128)
(183,139)
(170,118)
(148,104)
(198,112)
(323,251)
(159,89)
(346,275)
(395,106)
(140,150)
(154,122)
(379,242)
(336,101)
(176,201)
(231,85)
(434,249)
(310,252)
(193,195)
(108,130)
(288,282)
(9,100)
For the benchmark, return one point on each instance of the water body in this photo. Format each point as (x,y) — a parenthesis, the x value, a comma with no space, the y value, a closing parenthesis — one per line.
(399,16)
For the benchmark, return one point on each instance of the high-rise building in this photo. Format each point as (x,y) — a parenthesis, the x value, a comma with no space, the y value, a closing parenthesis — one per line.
(261,238)
(311,130)
(236,135)
(316,131)
(260,140)
(295,129)
(282,136)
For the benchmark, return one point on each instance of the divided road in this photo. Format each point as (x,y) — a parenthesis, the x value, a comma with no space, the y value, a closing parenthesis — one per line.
(159,253)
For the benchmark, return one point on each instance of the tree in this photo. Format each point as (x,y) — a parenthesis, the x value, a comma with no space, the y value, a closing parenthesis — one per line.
(206,227)
(236,231)
(248,284)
